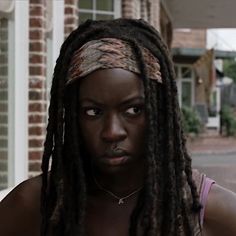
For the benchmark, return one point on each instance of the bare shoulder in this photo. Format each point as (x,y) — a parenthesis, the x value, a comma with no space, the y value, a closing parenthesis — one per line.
(20,209)
(220,213)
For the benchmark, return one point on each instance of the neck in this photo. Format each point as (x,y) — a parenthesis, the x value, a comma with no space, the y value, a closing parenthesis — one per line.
(120,182)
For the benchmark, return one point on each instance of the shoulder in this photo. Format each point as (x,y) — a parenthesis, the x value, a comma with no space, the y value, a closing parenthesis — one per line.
(25,191)
(220,213)
(20,209)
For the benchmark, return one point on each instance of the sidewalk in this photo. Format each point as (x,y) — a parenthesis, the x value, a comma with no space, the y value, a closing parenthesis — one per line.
(216,157)
(212,145)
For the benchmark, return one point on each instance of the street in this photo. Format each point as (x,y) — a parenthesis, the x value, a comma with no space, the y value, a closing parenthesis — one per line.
(220,167)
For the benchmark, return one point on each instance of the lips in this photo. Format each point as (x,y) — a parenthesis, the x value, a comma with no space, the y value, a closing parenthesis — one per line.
(117,152)
(115,157)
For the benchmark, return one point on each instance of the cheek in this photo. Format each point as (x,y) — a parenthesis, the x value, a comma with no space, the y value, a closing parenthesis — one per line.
(139,135)
(90,137)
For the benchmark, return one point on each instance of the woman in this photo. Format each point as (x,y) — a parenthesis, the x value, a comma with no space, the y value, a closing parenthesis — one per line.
(119,164)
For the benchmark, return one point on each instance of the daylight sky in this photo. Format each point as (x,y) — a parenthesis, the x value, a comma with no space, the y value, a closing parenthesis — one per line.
(223,39)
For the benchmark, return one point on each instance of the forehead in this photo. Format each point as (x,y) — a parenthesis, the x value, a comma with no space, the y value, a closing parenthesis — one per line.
(111,84)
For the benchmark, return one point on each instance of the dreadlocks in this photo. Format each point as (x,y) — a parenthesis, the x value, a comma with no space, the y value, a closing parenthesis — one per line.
(162,207)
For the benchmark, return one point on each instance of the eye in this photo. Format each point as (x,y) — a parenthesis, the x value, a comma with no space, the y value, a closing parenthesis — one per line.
(92,111)
(134,111)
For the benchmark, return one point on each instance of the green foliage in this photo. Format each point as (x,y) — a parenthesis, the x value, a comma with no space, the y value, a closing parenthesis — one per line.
(191,121)
(230,69)
(228,121)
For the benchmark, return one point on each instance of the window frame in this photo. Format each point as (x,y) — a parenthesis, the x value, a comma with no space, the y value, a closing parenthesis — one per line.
(180,80)
(116,13)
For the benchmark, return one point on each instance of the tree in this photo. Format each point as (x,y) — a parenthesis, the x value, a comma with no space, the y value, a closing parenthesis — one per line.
(230,69)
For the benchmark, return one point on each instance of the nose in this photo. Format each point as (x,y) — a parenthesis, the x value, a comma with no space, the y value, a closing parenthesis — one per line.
(113,129)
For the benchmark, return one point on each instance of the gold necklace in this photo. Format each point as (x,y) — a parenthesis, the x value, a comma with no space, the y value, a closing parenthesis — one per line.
(120,199)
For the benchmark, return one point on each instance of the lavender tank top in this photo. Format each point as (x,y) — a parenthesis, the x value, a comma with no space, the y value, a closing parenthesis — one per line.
(203,185)
(204,191)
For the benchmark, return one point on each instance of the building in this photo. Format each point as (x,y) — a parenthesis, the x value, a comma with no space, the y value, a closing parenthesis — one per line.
(196,72)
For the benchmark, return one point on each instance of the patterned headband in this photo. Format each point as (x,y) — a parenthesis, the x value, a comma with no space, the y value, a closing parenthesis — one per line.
(108,53)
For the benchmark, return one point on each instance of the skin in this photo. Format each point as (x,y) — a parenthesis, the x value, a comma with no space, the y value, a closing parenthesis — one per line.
(220,213)
(112,121)
(111,117)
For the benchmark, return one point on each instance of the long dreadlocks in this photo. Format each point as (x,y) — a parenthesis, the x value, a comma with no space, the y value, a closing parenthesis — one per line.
(162,207)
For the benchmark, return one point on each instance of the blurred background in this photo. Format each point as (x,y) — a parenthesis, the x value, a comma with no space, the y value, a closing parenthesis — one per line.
(201,39)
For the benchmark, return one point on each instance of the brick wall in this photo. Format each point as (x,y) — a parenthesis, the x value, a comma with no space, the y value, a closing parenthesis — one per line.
(130,9)
(189,38)
(3,102)
(37,75)
(155,13)
(71,16)
(148,10)
(37,83)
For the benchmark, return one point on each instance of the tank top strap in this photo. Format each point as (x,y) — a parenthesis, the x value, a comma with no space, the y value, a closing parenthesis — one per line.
(199,182)
(203,185)
(206,186)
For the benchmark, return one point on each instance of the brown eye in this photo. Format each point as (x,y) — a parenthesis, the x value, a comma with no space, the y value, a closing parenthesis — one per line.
(92,112)
(133,111)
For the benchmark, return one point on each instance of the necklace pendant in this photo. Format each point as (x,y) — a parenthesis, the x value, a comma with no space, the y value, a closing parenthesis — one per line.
(121,201)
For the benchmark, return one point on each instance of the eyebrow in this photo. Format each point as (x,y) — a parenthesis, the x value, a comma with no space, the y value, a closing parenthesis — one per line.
(126,101)
(134,99)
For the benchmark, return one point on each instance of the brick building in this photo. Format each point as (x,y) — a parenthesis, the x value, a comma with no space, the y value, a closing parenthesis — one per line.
(189,50)
(191,57)
(31,33)
(189,41)
(189,38)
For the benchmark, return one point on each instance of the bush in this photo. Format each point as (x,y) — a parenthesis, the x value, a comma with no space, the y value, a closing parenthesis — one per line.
(191,121)
(228,121)
(230,69)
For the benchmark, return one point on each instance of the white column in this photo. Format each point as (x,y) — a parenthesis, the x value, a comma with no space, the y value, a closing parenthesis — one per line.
(117,8)
(56,38)
(58,28)
(18,97)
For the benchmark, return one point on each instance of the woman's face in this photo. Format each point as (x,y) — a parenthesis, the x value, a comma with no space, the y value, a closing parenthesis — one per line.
(112,119)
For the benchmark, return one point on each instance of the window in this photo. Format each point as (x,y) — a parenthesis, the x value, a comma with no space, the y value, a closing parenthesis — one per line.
(186,93)
(185,82)
(213,106)
(99,9)
(4,52)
